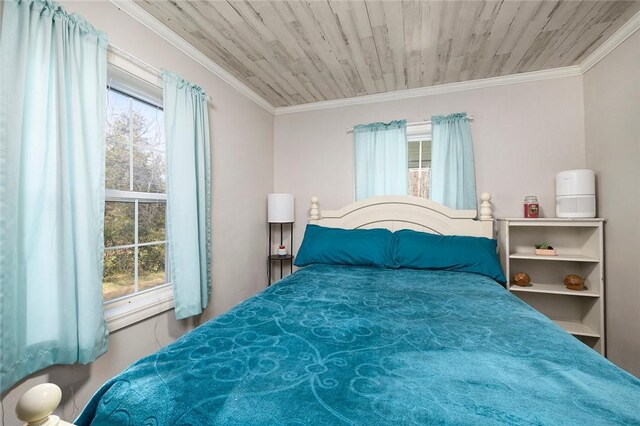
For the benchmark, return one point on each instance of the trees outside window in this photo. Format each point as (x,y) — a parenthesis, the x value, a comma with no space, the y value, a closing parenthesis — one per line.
(419,167)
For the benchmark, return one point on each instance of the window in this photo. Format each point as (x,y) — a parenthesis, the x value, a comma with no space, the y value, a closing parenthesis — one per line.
(135,257)
(136,275)
(419,160)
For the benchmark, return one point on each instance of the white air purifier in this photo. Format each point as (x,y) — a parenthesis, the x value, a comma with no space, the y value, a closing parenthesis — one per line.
(576,194)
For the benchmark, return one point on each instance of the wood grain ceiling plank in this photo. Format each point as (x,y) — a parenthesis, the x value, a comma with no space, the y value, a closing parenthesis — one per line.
(276,62)
(445,40)
(180,23)
(431,18)
(248,40)
(479,36)
(463,41)
(188,17)
(562,14)
(281,20)
(295,68)
(348,30)
(590,40)
(586,38)
(503,18)
(375,13)
(582,15)
(275,98)
(213,23)
(360,18)
(525,14)
(529,35)
(227,11)
(588,27)
(630,11)
(252,17)
(317,45)
(394,22)
(564,19)
(296,75)
(412,12)
(327,21)
(269,14)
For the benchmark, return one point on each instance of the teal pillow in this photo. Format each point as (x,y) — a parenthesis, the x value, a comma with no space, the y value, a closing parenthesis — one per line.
(420,250)
(337,246)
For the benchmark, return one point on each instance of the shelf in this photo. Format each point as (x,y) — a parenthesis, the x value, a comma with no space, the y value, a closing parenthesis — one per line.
(552,289)
(561,258)
(551,221)
(280,257)
(577,328)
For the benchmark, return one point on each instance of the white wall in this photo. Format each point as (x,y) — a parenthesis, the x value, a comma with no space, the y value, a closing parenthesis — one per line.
(612,106)
(523,135)
(242,175)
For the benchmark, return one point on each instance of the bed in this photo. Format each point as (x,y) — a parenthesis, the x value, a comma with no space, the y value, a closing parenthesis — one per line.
(348,344)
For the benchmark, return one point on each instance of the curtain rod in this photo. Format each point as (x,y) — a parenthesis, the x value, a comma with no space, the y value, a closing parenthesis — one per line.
(416,123)
(143,64)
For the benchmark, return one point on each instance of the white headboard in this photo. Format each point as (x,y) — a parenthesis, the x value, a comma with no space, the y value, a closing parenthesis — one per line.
(404,212)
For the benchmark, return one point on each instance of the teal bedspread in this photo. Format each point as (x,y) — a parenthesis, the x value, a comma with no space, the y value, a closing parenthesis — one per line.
(355,345)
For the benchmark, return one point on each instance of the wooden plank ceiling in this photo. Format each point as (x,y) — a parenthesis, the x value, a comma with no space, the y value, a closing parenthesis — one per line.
(295,52)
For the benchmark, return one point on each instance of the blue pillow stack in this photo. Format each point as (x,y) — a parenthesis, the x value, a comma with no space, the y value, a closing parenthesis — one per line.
(403,249)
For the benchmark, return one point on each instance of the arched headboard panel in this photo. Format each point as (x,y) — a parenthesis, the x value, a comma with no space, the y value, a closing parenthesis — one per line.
(400,212)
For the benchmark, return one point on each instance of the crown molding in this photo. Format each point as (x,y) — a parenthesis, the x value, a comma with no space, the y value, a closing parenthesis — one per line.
(625,31)
(435,90)
(145,18)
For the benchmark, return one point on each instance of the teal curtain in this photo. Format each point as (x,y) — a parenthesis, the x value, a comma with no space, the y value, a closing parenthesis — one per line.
(381,159)
(188,194)
(453,178)
(53,74)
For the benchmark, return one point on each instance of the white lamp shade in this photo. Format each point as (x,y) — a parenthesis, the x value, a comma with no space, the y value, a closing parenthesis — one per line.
(280,208)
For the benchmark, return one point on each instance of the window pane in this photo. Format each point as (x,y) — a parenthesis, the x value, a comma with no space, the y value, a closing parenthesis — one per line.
(148,170)
(118,273)
(119,223)
(117,172)
(118,109)
(419,182)
(148,126)
(151,222)
(150,266)
(413,154)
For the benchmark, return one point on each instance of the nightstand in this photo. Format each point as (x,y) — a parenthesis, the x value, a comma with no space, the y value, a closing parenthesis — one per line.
(280,211)
(271,258)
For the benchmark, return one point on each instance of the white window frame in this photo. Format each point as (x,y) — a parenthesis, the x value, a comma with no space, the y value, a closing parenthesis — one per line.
(135,79)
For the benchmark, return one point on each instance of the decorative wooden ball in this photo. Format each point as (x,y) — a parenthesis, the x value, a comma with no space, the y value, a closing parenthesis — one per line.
(574,282)
(521,279)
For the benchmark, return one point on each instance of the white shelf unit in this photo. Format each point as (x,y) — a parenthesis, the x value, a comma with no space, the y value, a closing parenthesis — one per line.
(579,245)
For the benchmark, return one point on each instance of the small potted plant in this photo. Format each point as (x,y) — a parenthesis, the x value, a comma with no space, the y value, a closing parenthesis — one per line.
(282,250)
(544,249)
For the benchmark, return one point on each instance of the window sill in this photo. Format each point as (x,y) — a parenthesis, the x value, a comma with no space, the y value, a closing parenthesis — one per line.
(138,307)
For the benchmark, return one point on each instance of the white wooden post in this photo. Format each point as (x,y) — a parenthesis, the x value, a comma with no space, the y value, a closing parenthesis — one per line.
(314,213)
(35,406)
(486,210)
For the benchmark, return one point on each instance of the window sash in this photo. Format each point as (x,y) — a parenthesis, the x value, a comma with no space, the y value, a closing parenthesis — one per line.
(136,198)
(119,195)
